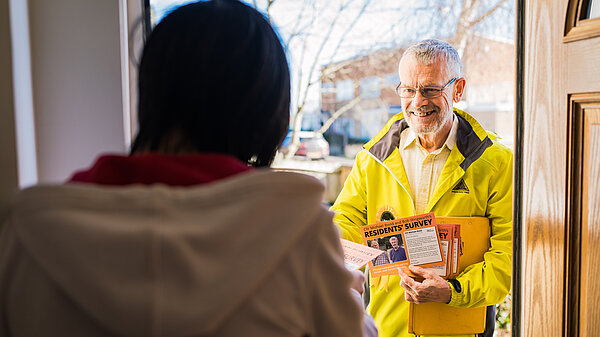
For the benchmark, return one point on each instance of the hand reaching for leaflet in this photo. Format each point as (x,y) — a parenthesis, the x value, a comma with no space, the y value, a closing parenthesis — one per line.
(432,289)
(358,281)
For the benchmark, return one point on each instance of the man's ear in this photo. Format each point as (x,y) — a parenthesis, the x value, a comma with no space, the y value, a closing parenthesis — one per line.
(459,89)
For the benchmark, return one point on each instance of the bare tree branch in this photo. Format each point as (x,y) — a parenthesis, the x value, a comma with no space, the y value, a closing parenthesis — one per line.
(326,38)
(468,19)
(296,31)
(268,8)
(301,102)
(487,14)
(349,28)
(319,30)
(338,113)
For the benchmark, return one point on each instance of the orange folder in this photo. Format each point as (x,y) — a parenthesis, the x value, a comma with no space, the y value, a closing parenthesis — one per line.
(439,318)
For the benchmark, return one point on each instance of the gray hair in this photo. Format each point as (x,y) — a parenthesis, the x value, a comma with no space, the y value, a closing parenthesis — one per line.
(433,50)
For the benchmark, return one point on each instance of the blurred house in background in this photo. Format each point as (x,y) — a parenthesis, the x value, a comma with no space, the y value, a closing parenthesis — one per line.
(367,85)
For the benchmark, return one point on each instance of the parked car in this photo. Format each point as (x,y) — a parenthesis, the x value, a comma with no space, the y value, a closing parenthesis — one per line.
(312,145)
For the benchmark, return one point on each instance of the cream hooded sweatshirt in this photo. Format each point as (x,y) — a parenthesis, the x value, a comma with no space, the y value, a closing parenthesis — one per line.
(251,255)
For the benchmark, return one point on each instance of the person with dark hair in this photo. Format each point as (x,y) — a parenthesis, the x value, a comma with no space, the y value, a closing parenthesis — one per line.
(228,94)
(127,247)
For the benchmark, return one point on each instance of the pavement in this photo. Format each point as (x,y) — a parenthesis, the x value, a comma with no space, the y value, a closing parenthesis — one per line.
(329,164)
(330,171)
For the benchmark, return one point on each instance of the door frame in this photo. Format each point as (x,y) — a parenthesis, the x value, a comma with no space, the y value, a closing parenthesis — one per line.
(518,169)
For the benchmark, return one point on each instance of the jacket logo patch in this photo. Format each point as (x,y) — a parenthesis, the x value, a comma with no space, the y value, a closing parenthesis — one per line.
(386,213)
(460,187)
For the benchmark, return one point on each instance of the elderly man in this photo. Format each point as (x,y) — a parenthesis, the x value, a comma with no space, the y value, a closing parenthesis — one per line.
(397,253)
(432,158)
(381,259)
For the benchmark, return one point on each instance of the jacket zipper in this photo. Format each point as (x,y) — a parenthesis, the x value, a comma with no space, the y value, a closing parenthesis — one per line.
(395,178)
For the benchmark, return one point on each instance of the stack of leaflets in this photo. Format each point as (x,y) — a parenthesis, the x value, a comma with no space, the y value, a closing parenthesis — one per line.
(415,240)
(451,248)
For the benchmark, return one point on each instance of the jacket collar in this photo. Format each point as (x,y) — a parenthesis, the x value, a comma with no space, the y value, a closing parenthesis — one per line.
(471,139)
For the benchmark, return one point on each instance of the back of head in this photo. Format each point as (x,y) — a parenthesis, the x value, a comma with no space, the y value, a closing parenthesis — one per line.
(213,78)
(433,50)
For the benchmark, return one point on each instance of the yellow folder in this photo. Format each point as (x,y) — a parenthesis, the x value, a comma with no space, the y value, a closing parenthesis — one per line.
(439,318)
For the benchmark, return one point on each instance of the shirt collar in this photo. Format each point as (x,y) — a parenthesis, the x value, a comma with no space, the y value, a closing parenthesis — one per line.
(451,140)
(408,137)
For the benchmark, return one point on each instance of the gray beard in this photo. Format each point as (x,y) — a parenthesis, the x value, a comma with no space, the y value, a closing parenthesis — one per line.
(433,129)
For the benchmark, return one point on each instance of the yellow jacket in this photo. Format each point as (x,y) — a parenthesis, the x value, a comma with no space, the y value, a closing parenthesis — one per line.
(475,181)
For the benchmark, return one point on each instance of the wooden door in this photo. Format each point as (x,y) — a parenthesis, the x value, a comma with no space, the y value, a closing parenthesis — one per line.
(560,265)
(589,309)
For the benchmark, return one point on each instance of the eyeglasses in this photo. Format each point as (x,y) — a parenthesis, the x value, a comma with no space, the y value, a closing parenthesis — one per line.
(427,92)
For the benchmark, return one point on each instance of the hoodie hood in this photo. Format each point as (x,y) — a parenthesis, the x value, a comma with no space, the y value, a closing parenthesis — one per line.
(158,260)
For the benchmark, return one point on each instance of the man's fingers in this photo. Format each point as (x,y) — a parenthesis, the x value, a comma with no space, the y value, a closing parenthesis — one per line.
(432,289)
(407,280)
(409,284)
(409,293)
(422,272)
(411,296)
(408,297)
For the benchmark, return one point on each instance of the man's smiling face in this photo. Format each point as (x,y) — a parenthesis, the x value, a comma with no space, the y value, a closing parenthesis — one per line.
(394,242)
(426,116)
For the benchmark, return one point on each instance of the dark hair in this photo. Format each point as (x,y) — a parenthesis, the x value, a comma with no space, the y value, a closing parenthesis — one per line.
(214,78)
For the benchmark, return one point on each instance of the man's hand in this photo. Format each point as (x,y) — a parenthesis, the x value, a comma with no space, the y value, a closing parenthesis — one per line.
(358,282)
(432,289)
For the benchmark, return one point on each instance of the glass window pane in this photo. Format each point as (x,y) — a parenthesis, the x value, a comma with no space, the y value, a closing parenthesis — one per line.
(369,87)
(391,80)
(335,45)
(594,9)
(344,90)
(160,8)
(327,88)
